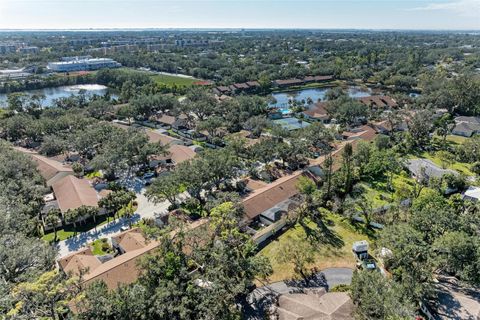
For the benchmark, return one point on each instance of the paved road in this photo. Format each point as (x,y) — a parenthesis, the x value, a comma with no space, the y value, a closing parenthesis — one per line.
(146,209)
(262,298)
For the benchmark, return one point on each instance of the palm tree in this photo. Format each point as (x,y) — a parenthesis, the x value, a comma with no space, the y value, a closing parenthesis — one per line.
(51,219)
(128,213)
(72,216)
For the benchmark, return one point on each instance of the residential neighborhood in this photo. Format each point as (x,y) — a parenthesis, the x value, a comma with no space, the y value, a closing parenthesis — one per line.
(240,173)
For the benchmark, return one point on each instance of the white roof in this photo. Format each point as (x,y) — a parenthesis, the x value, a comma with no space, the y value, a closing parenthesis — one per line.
(472,192)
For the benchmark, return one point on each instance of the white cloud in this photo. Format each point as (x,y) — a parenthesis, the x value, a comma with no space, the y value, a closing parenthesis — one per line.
(462,7)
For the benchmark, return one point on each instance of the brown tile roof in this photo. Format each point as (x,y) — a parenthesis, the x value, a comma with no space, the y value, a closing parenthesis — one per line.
(124,268)
(255,184)
(153,136)
(315,305)
(241,85)
(365,132)
(72,193)
(130,240)
(253,84)
(382,125)
(318,111)
(51,170)
(378,101)
(82,260)
(160,137)
(288,82)
(223,89)
(269,196)
(181,154)
(166,119)
(318,78)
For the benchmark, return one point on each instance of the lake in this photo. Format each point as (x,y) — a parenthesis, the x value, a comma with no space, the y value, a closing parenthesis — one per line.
(62,92)
(282,98)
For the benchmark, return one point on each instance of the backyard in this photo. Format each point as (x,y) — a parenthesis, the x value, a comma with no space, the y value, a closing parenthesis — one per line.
(328,253)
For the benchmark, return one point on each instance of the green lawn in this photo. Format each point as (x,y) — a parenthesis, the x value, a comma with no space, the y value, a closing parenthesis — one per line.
(68,231)
(458,166)
(99,249)
(94,174)
(171,80)
(379,195)
(334,251)
(457,139)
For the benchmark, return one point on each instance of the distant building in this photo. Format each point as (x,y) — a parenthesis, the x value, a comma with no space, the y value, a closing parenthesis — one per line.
(378,102)
(7,48)
(29,50)
(83,64)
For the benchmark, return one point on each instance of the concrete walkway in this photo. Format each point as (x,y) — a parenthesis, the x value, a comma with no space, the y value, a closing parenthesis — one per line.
(146,209)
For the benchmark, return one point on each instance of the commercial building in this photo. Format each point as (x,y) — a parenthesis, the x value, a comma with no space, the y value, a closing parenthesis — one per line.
(83,64)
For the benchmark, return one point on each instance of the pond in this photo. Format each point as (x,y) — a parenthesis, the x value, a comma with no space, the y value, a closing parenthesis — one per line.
(282,98)
(62,92)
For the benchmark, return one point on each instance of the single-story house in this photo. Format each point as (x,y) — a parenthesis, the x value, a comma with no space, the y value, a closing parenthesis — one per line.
(318,112)
(273,198)
(378,102)
(121,270)
(315,304)
(311,79)
(129,240)
(288,83)
(72,193)
(82,260)
(51,170)
(365,132)
(425,169)
(472,194)
(165,120)
(155,136)
(466,126)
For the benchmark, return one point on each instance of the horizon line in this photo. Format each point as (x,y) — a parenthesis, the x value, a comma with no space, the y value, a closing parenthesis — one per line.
(232,28)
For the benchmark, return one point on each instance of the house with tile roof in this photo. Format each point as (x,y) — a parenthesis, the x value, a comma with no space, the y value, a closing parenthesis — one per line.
(274,197)
(366,133)
(51,170)
(72,193)
(317,112)
(122,269)
(378,102)
(315,305)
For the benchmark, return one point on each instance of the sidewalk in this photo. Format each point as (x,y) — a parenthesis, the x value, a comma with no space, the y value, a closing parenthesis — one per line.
(146,209)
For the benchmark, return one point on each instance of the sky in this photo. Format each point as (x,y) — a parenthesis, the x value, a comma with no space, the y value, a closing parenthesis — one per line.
(298,14)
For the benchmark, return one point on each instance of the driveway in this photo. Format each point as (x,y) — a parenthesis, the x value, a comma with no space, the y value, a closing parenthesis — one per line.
(262,298)
(146,209)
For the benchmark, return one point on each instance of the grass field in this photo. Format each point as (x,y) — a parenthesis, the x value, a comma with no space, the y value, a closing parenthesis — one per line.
(170,80)
(457,139)
(379,195)
(328,254)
